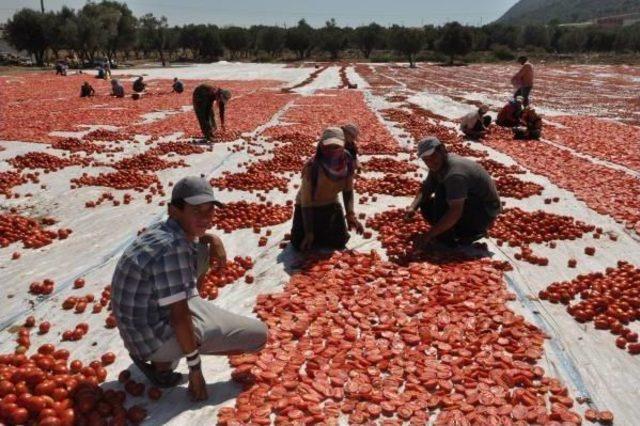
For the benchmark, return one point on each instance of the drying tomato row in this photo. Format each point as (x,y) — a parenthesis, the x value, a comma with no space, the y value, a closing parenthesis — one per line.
(243,214)
(14,227)
(307,80)
(611,300)
(77,145)
(391,184)
(46,389)
(47,162)
(358,337)
(389,165)
(39,115)
(122,179)
(220,277)
(618,193)
(606,140)
(254,181)
(310,115)
(147,162)
(12,178)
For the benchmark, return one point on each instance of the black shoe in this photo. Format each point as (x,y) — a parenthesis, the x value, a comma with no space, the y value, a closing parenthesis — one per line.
(161,379)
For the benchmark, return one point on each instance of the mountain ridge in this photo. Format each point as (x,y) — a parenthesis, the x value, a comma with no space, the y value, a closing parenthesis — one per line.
(565,11)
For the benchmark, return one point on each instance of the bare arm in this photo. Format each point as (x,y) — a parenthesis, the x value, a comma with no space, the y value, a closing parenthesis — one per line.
(450,218)
(180,317)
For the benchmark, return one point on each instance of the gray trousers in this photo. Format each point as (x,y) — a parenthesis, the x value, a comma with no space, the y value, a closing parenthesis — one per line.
(217,331)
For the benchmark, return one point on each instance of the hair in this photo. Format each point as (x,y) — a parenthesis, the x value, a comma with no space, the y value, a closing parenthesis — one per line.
(179,203)
(523,59)
(175,78)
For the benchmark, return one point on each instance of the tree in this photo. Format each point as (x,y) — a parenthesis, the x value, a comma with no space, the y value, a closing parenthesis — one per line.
(235,39)
(64,34)
(367,38)
(271,40)
(574,40)
(455,40)
(124,37)
(536,36)
(299,39)
(407,41)
(507,35)
(153,35)
(332,39)
(31,31)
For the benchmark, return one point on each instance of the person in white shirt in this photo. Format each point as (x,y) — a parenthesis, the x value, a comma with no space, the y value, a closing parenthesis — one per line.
(474,124)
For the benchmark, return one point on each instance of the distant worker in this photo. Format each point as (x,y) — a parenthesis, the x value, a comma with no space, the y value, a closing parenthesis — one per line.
(117,89)
(530,125)
(204,97)
(102,74)
(523,80)
(61,68)
(318,218)
(475,124)
(86,90)
(458,199)
(107,68)
(177,86)
(139,85)
(509,115)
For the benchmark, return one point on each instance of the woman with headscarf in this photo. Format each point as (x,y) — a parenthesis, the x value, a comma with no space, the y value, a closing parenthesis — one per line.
(318,219)
(204,97)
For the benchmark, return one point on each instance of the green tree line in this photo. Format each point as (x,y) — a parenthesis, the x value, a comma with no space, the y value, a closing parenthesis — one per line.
(109,29)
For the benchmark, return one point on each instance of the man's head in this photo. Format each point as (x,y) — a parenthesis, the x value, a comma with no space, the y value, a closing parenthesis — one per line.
(175,79)
(522,60)
(140,78)
(432,152)
(224,96)
(114,82)
(192,204)
(483,109)
(350,132)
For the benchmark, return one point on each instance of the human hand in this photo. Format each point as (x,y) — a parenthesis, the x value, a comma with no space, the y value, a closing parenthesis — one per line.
(307,242)
(352,223)
(217,252)
(409,213)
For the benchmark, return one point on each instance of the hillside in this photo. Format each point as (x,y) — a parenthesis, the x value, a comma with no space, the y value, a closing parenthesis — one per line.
(544,11)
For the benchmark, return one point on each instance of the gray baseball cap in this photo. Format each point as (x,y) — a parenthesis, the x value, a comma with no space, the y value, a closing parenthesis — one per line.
(194,190)
(427,146)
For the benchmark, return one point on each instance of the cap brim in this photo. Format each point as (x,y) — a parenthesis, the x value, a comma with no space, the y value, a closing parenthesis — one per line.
(202,199)
(428,152)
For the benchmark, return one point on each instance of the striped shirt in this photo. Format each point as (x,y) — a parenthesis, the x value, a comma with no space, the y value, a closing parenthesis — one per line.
(159,268)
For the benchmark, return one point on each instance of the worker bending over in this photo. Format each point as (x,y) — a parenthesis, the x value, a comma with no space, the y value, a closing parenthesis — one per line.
(177,85)
(530,125)
(509,115)
(117,89)
(139,85)
(86,90)
(204,96)
(475,124)
(458,198)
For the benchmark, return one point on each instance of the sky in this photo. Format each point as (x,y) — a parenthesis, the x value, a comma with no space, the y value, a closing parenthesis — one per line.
(288,12)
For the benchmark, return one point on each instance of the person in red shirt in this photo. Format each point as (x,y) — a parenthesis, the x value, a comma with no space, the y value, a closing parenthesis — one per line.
(523,80)
(204,97)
